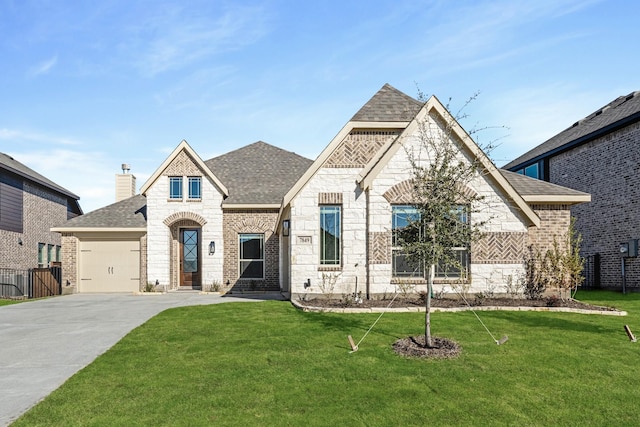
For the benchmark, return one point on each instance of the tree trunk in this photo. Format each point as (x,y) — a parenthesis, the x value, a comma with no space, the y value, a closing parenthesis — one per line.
(427,316)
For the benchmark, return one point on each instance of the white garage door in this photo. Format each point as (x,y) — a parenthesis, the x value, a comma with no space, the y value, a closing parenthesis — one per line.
(109,266)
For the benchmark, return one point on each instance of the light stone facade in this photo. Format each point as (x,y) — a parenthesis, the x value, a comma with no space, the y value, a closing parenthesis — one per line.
(165,215)
(366,266)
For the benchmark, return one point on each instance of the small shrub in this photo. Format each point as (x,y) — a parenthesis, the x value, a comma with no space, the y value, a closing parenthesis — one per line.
(150,287)
(513,288)
(553,301)
(214,287)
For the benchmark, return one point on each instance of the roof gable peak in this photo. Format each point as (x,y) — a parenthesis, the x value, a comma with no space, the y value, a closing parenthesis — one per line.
(388,105)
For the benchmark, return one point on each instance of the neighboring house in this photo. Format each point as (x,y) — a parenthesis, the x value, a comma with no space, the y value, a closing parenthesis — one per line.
(598,154)
(30,205)
(261,218)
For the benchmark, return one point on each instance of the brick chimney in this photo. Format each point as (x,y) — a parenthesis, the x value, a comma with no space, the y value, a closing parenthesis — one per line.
(125,184)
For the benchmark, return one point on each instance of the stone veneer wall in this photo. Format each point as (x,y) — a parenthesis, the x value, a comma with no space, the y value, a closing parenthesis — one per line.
(162,213)
(236,221)
(609,169)
(42,210)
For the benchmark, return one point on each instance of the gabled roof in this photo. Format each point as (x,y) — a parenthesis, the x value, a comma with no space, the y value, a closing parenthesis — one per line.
(258,174)
(387,109)
(126,215)
(536,191)
(434,107)
(187,148)
(620,112)
(388,105)
(12,165)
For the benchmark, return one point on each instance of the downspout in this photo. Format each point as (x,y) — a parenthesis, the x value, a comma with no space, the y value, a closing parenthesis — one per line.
(367,244)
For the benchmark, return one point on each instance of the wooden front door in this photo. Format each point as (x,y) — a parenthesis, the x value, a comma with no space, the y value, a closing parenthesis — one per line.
(190,257)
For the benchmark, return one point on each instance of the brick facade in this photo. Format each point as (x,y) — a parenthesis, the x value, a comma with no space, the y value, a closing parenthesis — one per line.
(263,221)
(42,210)
(609,169)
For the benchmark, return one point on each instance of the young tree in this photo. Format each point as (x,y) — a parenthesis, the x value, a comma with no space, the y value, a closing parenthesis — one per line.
(443,202)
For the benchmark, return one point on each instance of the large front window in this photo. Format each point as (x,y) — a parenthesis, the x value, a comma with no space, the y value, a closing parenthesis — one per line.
(330,219)
(251,256)
(401,217)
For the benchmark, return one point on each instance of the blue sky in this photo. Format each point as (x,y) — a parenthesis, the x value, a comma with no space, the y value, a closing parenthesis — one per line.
(89,85)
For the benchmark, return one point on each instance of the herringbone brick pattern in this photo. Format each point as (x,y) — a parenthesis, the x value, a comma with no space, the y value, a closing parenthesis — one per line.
(182,165)
(380,247)
(359,147)
(499,248)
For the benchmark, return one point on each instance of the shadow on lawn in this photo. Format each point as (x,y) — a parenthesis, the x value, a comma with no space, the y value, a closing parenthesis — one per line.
(552,321)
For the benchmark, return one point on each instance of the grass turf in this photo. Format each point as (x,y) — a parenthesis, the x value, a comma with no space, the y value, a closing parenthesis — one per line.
(269,364)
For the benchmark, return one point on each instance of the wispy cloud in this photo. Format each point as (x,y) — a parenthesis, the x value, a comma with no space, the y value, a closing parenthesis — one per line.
(174,38)
(485,33)
(18,136)
(44,67)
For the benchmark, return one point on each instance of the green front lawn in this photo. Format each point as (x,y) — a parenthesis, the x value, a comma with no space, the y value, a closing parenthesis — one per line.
(4,301)
(269,364)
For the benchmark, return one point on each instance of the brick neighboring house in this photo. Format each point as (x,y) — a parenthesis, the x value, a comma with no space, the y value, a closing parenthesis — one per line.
(30,205)
(599,154)
(262,218)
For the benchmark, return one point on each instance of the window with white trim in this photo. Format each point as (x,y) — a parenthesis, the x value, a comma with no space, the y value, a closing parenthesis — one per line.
(195,187)
(402,215)
(251,256)
(330,231)
(175,187)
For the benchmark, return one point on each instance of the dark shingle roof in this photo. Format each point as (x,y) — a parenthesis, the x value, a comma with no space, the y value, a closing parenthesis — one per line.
(527,186)
(9,163)
(619,112)
(258,173)
(388,105)
(127,213)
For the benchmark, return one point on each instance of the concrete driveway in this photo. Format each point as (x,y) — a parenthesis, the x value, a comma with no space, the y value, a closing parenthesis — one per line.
(44,342)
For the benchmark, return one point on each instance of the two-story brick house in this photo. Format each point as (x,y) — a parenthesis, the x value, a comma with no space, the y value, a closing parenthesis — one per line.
(262,218)
(598,154)
(30,205)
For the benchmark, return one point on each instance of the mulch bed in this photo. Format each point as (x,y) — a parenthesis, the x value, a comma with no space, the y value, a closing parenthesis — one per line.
(455,302)
(442,348)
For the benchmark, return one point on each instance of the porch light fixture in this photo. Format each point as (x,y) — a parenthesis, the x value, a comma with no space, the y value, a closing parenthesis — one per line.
(285,227)
(212,247)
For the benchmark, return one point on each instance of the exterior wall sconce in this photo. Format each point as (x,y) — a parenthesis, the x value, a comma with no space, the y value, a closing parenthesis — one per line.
(307,284)
(212,247)
(20,241)
(285,227)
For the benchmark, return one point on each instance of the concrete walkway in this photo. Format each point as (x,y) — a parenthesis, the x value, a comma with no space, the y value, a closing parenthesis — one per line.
(44,342)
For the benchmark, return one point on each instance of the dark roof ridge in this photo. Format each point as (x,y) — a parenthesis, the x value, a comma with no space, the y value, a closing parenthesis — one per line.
(618,113)
(12,165)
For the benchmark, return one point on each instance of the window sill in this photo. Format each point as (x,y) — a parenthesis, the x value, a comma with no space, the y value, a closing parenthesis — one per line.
(330,268)
(174,200)
(194,200)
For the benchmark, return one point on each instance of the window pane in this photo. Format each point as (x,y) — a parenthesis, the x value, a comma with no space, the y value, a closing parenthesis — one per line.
(532,171)
(41,254)
(251,269)
(401,268)
(401,217)
(58,249)
(447,271)
(175,187)
(330,235)
(194,187)
(251,256)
